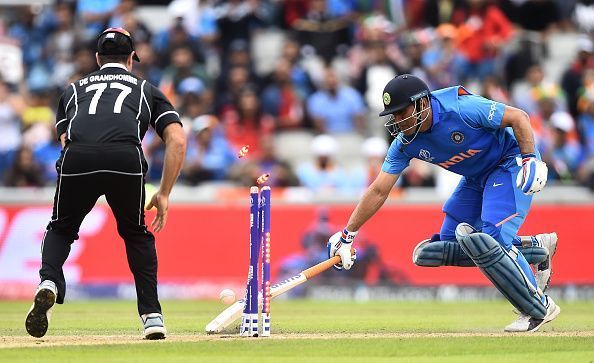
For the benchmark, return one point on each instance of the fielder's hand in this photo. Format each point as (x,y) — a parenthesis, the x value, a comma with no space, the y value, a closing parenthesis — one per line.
(161,202)
(340,245)
(533,176)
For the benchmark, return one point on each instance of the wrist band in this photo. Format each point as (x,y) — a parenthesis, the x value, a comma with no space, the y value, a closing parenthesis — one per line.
(349,237)
(527,156)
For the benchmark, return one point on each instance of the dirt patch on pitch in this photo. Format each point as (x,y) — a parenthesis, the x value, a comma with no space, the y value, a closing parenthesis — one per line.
(65,340)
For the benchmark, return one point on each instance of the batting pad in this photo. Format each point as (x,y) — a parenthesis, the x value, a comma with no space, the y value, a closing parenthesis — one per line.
(502,270)
(534,254)
(449,253)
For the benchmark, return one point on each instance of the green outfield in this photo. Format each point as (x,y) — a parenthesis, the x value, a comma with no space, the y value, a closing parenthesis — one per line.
(303,331)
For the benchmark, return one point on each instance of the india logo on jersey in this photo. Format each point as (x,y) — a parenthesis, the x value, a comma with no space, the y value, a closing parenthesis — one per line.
(457,137)
(459,157)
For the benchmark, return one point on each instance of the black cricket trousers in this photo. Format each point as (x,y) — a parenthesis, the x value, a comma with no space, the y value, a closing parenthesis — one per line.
(86,172)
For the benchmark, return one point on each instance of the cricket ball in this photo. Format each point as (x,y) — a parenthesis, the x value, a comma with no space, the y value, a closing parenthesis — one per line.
(227,296)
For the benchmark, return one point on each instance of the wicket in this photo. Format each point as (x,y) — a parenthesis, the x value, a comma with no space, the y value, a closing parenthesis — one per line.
(259,245)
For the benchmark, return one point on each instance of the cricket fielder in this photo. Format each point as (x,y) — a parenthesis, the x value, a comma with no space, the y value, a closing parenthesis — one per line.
(492,146)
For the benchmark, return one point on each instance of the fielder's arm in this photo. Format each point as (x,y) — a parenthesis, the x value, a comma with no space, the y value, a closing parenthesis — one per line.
(372,200)
(519,121)
(175,151)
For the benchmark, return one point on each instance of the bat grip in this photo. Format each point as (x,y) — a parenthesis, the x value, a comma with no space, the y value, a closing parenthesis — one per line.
(322,266)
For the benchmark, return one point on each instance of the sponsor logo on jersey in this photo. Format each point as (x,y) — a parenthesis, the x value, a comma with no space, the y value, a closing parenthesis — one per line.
(457,137)
(426,155)
(458,158)
(492,110)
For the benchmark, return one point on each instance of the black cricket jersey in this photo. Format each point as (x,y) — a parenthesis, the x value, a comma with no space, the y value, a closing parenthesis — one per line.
(112,105)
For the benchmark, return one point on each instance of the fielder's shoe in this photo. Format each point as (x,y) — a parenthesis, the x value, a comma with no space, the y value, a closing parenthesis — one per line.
(526,323)
(154,328)
(545,268)
(38,317)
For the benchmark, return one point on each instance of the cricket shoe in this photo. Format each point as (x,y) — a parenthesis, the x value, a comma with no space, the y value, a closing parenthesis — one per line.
(38,316)
(545,268)
(526,323)
(154,328)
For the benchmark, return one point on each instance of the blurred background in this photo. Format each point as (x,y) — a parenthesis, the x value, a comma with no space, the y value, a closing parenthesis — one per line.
(300,82)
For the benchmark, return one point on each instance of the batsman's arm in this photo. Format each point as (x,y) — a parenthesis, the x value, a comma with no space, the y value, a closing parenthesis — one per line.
(372,200)
(519,121)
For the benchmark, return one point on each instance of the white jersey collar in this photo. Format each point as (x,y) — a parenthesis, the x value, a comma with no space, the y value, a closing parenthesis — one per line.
(114,65)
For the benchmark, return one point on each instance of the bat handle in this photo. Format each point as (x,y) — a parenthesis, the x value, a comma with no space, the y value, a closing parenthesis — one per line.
(322,266)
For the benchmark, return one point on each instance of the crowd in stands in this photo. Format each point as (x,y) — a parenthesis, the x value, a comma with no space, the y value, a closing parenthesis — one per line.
(319,79)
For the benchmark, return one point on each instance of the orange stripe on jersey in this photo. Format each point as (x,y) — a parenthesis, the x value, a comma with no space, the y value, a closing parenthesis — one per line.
(462,92)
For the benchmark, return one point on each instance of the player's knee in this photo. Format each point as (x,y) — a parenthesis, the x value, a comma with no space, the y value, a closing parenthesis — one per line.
(66,230)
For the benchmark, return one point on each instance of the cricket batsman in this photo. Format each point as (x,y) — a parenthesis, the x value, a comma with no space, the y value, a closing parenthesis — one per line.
(492,146)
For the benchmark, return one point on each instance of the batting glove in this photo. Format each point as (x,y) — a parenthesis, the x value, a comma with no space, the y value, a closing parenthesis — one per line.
(533,176)
(340,245)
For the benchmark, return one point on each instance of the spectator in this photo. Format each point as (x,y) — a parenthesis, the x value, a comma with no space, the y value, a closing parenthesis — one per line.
(528,93)
(326,35)
(439,12)
(38,120)
(484,32)
(125,17)
(148,68)
(193,99)
(442,59)
(374,149)
(31,30)
(169,40)
(209,156)
(95,15)
(376,69)
(61,46)
(494,90)
(572,77)
(237,19)
(586,128)
(561,150)
(25,172)
(323,175)
(227,94)
(45,155)
(245,123)
(299,75)
(282,100)
(10,127)
(336,108)
(182,65)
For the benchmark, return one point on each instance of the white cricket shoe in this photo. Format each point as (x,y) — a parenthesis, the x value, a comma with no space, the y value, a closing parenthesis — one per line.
(39,315)
(154,328)
(545,268)
(526,323)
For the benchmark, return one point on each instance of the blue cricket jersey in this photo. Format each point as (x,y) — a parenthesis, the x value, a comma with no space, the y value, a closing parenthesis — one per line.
(465,138)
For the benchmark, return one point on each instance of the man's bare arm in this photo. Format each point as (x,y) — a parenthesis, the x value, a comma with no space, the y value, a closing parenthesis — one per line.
(519,121)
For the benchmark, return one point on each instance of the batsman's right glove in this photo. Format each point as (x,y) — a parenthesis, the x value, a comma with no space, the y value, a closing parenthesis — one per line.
(340,244)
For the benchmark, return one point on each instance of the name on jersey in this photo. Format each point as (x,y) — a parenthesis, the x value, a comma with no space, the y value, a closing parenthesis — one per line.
(108,77)
(458,158)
